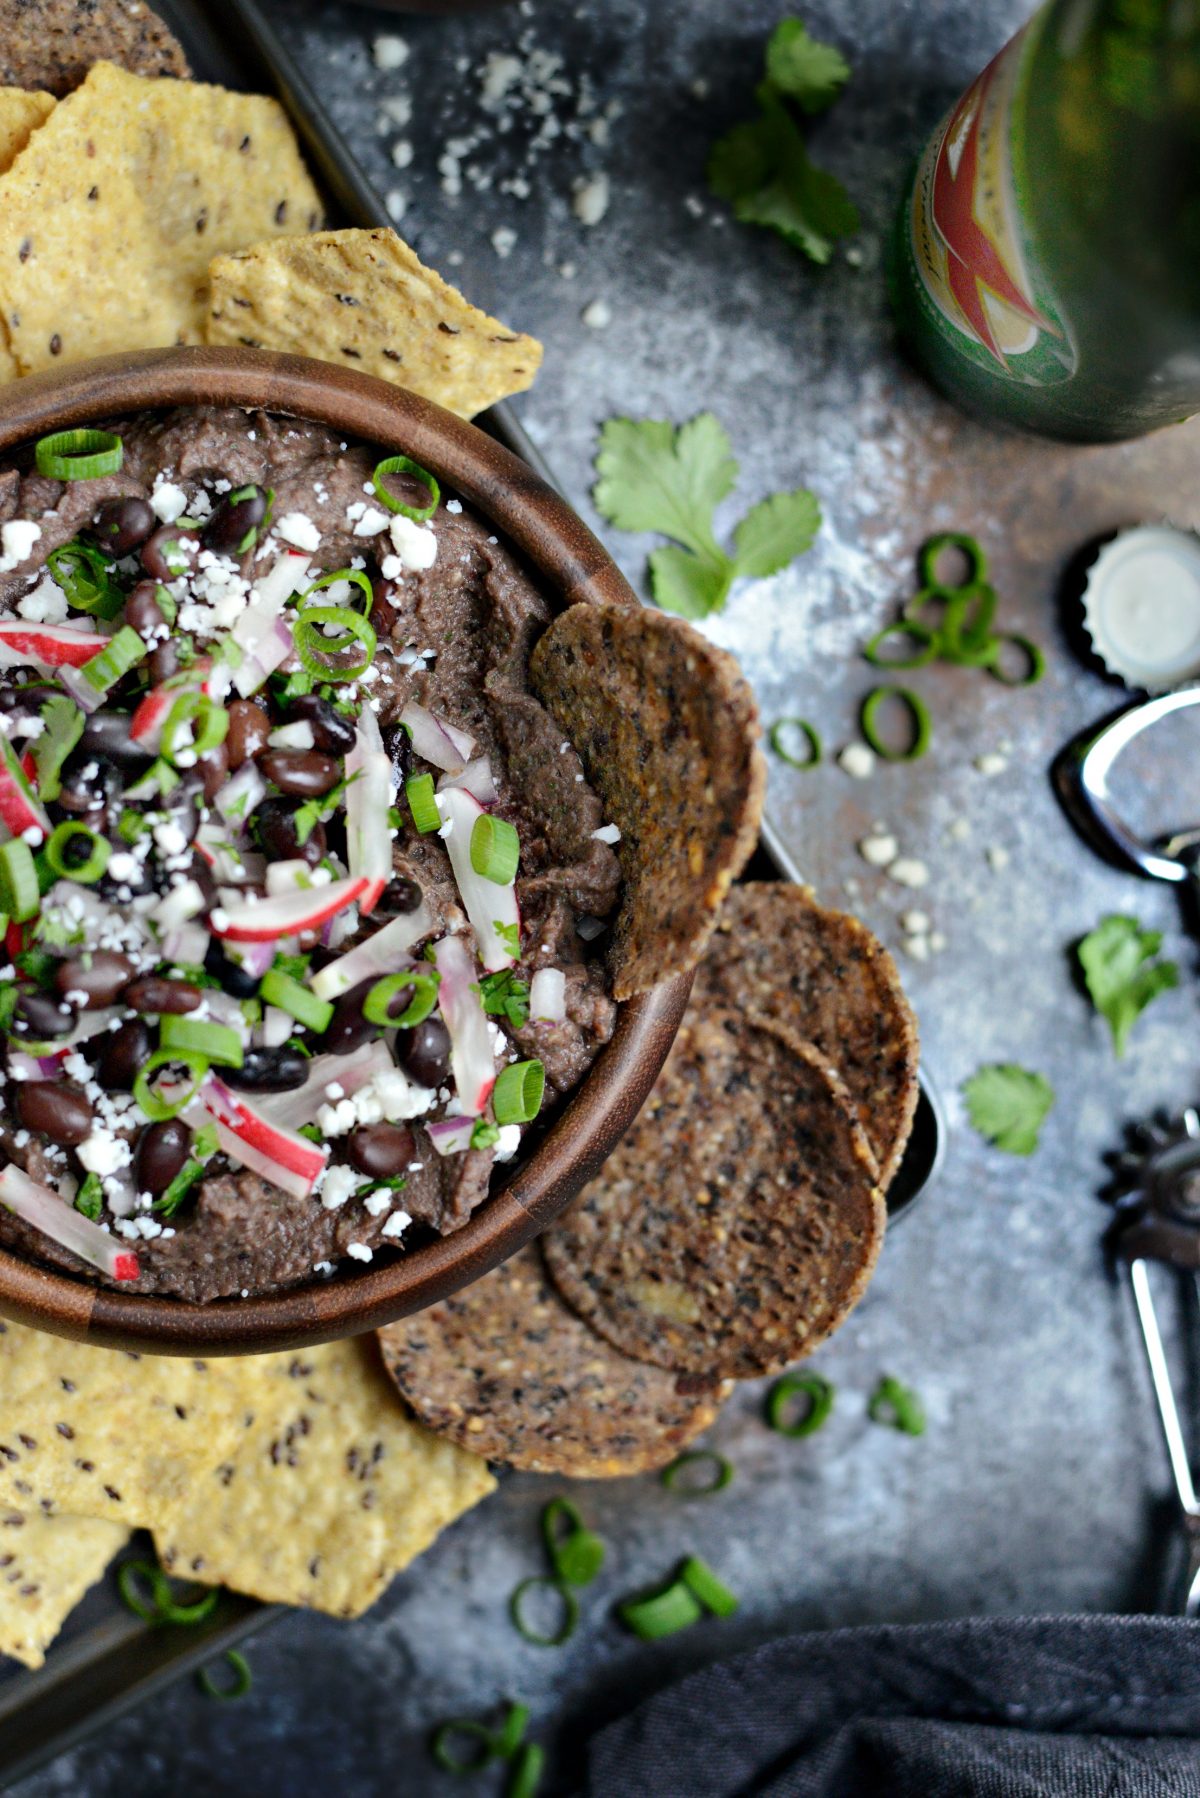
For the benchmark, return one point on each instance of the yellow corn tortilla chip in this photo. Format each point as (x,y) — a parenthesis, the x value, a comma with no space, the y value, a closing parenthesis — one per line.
(330,1494)
(20,116)
(99,1433)
(362,299)
(46,1566)
(110,215)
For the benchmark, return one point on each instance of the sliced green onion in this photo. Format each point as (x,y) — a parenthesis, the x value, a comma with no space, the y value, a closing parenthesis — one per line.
(816,749)
(354,575)
(678,1476)
(703,1584)
(155,1107)
(1035,657)
(511,1733)
(243,1679)
(79,455)
(922,726)
(932,551)
(82,571)
(964,636)
(130,826)
(485,1135)
(902,627)
(209,721)
(781,1416)
(403,465)
(298,1000)
(205,1142)
(422,803)
(575,1554)
(161,1606)
(57,853)
(570,1612)
(424,988)
(495,849)
(89,1200)
(517,1094)
(159,779)
(441,1745)
(897,1406)
(312,646)
(527,1774)
(20,894)
(661,1613)
(196,1036)
(62,727)
(123,652)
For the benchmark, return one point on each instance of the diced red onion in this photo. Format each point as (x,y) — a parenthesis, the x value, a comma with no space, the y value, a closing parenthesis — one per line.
(486,904)
(179,905)
(260,633)
(451,1136)
(340,928)
(384,953)
(275,1028)
(34,1067)
(292,736)
(291,1110)
(255,958)
(249,1137)
(368,797)
(548,996)
(55,1218)
(472,1059)
(436,741)
(475,779)
(186,945)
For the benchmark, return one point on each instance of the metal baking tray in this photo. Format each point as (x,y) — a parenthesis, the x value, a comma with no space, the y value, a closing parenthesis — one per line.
(107,1660)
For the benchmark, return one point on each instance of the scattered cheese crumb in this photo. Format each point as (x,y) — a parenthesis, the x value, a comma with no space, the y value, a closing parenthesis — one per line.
(597,316)
(909,872)
(504,240)
(298,529)
(998,857)
(607,833)
(390,52)
(17,539)
(857,761)
(46,604)
(991,763)
(168,502)
(879,850)
(589,202)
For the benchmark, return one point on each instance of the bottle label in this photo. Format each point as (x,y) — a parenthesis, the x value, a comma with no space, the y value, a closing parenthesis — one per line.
(968,240)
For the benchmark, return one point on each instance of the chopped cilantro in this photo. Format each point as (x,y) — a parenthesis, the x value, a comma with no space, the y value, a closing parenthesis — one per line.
(484,1135)
(205,1142)
(8,1002)
(1122,976)
(763,167)
(1008,1106)
(194,974)
(653,477)
(167,1203)
(310,1130)
(63,724)
(509,934)
(505,995)
(38,964)
(296,966)
(90,1198)
(311,813)
(51,928)
(393,1183)
(395,821)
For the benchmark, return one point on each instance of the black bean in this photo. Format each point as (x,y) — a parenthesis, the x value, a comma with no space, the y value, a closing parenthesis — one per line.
(90,783)
(331,732)
(99,975)
(122,525)
(249,728)
(119,1055)
(144,614)
(398,744)
(269,1071)
(107,734)
(163,1151)
(399,897)
(55,1109)
(214,770)
(305,773)
(234,979)
(348,1028)
(384,611)
(170,552)
(234,519)
(155,994)
(164,662)
(274,825)
(39,1018)
(381,1150)
(424,1052)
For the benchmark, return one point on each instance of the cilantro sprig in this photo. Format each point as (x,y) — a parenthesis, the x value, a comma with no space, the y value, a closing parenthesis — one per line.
(654,477)
(1008,1105)
(1121,973)
(763,167)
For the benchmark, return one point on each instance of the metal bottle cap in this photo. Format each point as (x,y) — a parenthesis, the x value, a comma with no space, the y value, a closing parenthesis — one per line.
(1141,607)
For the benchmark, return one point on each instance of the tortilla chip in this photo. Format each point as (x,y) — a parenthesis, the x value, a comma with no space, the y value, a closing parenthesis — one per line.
(100,1433)
(53,43)
(46,1566)
(20,116)
(668,731)
(329,1495)
(825,975)
(362,299)
(738,1223)
(111,214)
(505,1369)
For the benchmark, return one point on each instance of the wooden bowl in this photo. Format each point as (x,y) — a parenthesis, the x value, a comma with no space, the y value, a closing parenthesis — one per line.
(571,566)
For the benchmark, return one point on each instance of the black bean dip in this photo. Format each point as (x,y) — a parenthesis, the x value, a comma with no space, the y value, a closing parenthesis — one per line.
(304,890)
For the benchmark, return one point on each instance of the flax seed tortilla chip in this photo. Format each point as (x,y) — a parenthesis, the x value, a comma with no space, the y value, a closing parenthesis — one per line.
(330,1494)
(738,1222)
(668,732)
(362,299)
(505,1369)
(20,116)
(46,1566)
(100,1433)
(53,43)
(110,215)
(822,973)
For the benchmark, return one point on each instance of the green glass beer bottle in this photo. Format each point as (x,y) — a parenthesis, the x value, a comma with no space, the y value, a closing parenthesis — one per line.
(1046,266)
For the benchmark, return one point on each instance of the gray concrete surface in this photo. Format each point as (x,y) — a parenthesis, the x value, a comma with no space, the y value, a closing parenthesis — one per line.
(1038,1485)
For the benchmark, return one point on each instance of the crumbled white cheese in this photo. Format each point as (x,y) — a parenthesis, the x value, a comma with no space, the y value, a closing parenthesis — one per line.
(46,604)
(376,1203)
(998,858)
(167,502)
(907,871)
(298,529)
(857,761)
(17,539)
(336,1187)
(415,544)
(589,201)
(916,923)
(390,52)
(371,523)
(399,1097)
(402,152)
(879,850)
(504,240)
(608,833)
(509,1141)
(104,1154)
(991,763)
(396,1224)
(597,315)
(396,203)
(358,1251)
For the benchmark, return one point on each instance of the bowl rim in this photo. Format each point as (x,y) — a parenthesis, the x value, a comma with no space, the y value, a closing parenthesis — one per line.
(573,568)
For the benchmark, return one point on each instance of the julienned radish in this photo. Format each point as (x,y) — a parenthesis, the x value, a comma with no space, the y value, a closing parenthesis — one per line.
(267,1148)
(46,1211)
(47,645)
(263,920)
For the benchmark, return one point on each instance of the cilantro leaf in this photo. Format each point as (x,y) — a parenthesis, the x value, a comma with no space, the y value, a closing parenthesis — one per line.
(1122,976)
(1008,1106)
(653,477)
(505,995)
(809,72)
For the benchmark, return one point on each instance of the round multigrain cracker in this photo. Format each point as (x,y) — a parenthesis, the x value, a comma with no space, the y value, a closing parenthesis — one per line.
(738,1222)
(505,1369)
(668,732)
(777,953)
